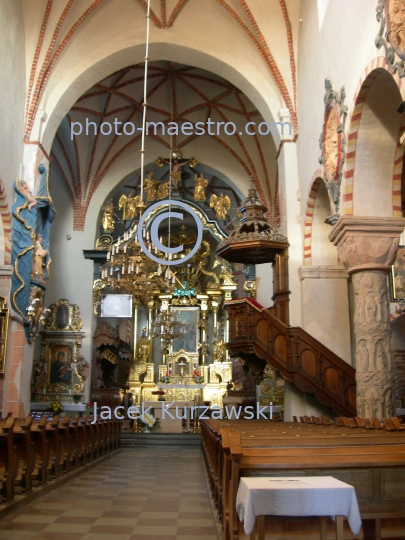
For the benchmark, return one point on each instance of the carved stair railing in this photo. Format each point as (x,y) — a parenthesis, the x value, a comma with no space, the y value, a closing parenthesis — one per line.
(258,337)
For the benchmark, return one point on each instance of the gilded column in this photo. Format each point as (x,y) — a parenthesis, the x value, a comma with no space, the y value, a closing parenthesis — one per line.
(367,248)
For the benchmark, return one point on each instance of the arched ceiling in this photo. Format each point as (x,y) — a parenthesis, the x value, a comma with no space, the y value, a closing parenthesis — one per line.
(256,38)
(176,93)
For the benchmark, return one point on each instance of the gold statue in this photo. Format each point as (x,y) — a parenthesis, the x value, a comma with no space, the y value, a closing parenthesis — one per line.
(149,186)
(218,350)
(200,183)
(221,205)
(37,261)
(107,219)
(143,355)
(163,190)
(128,205)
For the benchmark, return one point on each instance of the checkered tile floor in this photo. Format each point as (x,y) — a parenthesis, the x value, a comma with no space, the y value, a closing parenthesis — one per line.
(139,494)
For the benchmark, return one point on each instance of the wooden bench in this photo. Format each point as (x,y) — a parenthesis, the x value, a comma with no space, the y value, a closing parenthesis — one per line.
(359,457)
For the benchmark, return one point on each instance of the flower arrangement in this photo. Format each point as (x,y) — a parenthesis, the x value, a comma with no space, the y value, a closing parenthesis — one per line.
(165,379)
(198,378)
(148,421)
(56,407)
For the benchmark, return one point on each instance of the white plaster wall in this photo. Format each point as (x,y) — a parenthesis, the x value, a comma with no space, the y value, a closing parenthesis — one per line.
(264,284)
(340,50)
(323,251)
(376,146)
(12,92)
(325,305)
(71,275)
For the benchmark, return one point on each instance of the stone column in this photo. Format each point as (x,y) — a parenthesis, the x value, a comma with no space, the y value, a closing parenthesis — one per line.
(367,248)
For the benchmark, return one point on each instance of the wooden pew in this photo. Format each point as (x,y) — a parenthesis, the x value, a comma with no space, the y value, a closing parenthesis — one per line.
(41,449)
(279,450)
(26,454)
(8,461)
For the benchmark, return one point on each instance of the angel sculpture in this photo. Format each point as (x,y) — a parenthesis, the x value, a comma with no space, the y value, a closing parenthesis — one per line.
(221,205)
(150,187)
(128,205)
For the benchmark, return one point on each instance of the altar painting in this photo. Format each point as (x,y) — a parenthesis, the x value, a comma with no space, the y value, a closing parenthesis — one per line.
(189,316)
(60,365)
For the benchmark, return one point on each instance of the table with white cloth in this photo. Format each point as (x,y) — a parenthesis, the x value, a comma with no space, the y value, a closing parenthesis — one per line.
(297,496)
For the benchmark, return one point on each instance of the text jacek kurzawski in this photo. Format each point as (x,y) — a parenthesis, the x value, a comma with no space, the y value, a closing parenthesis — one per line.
(180,412)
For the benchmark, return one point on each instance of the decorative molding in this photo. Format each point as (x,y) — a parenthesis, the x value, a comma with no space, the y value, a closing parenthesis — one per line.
(393,40)
(332,143)
(367,243)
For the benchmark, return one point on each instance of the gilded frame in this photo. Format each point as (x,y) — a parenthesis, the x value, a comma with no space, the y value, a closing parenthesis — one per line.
(4,323)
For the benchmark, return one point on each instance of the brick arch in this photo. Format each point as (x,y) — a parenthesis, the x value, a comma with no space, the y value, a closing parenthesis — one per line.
(369,75)
(316,180)
(6,219)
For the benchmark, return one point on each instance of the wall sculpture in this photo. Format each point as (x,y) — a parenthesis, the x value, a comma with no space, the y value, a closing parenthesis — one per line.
(30,255)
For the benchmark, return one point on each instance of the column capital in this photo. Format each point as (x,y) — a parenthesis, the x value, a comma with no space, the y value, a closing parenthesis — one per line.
(367,243)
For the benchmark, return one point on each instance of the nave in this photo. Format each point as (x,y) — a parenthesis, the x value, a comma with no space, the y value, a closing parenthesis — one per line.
(140,494)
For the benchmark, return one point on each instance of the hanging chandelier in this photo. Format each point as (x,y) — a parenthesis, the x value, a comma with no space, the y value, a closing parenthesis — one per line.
(167,327)
(129,270)
(253,241)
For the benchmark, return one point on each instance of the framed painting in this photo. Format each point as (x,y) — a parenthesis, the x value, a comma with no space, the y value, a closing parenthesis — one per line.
(397,280)
(59,366)
(189,316)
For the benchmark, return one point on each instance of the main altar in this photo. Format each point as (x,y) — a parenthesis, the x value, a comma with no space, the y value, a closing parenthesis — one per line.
(177,328)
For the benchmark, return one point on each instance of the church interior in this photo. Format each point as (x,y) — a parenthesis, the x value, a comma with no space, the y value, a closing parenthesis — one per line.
(202,269)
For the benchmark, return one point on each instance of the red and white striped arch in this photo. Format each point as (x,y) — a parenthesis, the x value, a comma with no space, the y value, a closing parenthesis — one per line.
(369,75)
(316,180)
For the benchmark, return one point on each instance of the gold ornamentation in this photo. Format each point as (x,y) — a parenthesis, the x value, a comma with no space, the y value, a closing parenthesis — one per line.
(163,191)
(107,218)
(144,348)
(221,205)
(218,350)
(63,316)
(175,175)
(250,288)
(98,286)
(128,205)
(149,187)
(200,183)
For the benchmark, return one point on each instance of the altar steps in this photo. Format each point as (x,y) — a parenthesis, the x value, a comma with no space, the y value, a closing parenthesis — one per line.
(129,439)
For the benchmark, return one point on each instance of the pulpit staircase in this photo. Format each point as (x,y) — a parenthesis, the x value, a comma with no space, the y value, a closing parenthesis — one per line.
(257,337)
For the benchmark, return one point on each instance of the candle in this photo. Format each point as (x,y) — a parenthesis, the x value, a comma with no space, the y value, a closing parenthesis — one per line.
(20,176)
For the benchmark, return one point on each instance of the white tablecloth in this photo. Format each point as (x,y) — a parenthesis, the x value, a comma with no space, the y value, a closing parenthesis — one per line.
(296,496)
